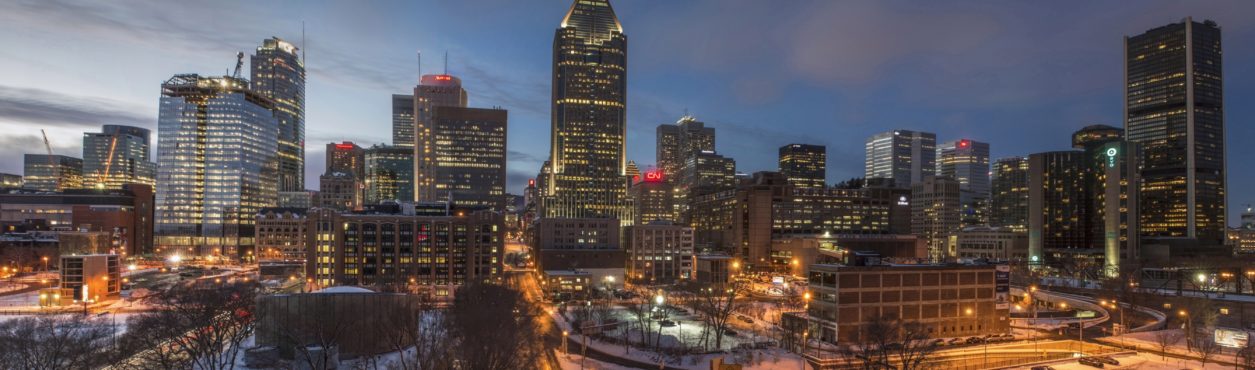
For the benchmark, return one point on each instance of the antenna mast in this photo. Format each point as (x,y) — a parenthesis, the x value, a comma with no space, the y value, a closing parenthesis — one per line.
(446,62)
(420,67)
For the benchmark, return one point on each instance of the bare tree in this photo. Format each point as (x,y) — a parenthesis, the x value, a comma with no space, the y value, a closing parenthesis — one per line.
(55,342)
(1205,348)
(1246,355)
(643,314)
(1165,339)
(493,327)
(193,326)
(916,344)
(869,346)
(318,334)
(716,303)
(423,329)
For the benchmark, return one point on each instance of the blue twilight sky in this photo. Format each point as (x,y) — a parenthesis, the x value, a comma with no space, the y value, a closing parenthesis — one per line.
(1020,75)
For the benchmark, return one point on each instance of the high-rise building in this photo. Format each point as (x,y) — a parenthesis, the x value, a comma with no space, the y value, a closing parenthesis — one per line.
(465,159)
(346,157)
(1111,191)
(1057,209)
(1009,194)
(217,155)
(653,198)
(433,91)
(633,172)
(8,180)
(681,140)
(1174,108)
(904,156)
(589,133)
(935,213)
(278,73)
(967,161)
(402,120)
(805,165)
(389,174)
(115,156)
(52,174)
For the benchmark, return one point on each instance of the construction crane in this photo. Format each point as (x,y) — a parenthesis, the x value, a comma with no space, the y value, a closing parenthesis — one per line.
(104,176)
(56,170)
(239,63)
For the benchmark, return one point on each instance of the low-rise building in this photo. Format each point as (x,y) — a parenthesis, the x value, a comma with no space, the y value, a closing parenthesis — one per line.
(659,252)
(950,300)
(995,243)
(592,245)
(281,234)
(794,254)
(713,268)
(126,214)
(433,254)
(90,277)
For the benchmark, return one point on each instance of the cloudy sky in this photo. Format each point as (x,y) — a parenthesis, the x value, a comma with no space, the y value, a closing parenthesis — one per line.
(1020,75)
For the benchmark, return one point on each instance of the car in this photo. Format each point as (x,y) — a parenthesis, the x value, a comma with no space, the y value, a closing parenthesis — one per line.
(745,319)
(729,333)
(893,346)
(666,323)
(939,342)
(1106,360)
(1042,368)
(954,341)
(1090,361)
(975,340)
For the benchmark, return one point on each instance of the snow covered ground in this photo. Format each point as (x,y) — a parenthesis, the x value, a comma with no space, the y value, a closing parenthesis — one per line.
(1143,361)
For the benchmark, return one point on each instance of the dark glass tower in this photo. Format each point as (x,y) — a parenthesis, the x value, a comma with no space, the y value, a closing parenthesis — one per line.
(589,119)
(1174,109)
(805,165)
(279,74)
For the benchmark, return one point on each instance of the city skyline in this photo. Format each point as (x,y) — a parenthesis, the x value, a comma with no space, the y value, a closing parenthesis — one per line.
(844,101)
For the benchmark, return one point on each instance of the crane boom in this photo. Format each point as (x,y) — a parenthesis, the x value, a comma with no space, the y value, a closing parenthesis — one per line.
(239,63)
(56,170)
(104,176)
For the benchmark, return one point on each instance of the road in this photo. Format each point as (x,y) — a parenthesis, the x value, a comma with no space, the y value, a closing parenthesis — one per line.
(526,282)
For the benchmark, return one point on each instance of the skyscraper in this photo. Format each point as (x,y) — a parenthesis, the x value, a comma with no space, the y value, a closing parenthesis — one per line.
(653,198)
(465,159)
(432,91)
(402,120)
(55,174)
(967,161)
(389,174)
(904,156)
(935,213)
(589,132)
(218,164)
(1111,192)
(115,156)
(677,142)
(1009,196)
(346,157)
(1174,108)
(1057,211)
(278,73)
(805,165)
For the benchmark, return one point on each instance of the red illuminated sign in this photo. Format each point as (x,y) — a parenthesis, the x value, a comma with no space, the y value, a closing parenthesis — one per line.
(963,143)
(345,146)
(653,176)
(443,77)
(531,182)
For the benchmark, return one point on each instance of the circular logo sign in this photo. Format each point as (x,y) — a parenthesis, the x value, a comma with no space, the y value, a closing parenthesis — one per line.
(1111,152)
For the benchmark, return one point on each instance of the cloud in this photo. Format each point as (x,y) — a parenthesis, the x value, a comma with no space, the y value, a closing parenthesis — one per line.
(517,180)
(13,147)
(53,109)
(518,156)
(513,91)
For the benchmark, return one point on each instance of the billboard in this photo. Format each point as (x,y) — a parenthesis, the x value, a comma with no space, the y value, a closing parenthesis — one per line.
(1231,338)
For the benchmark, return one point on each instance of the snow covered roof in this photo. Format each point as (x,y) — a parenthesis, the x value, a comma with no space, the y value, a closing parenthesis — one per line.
(344,289)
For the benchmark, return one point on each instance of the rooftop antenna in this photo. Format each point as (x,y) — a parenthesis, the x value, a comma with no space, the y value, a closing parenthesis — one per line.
(446,62)
(302,42)
(420,67)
